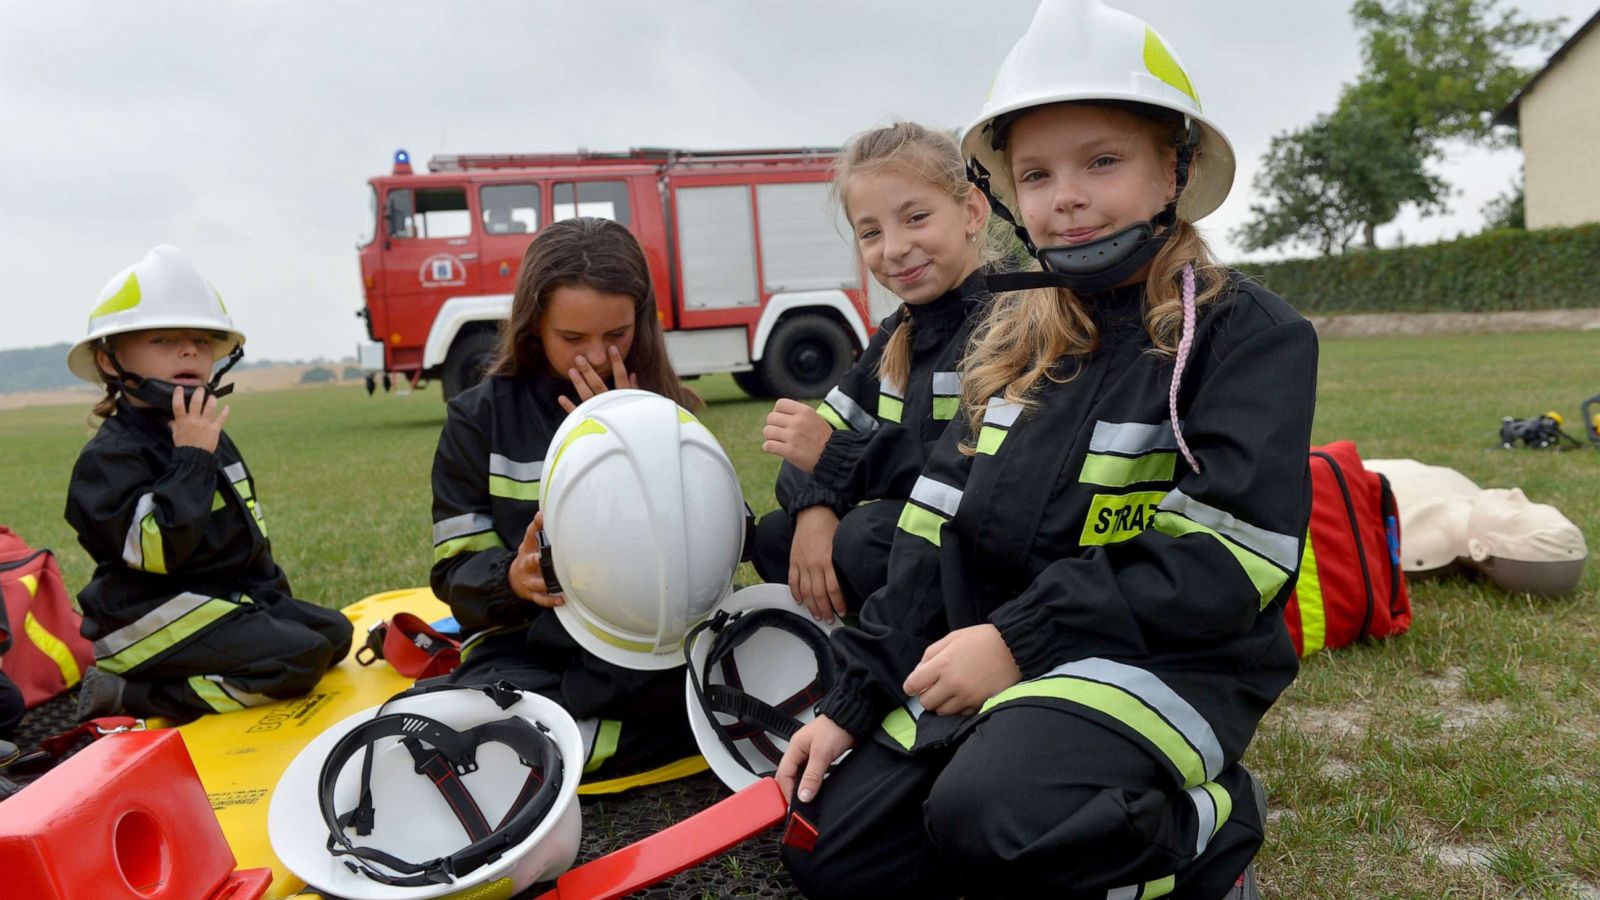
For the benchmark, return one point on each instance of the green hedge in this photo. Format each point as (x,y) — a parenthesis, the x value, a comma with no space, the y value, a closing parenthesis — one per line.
(1552,268)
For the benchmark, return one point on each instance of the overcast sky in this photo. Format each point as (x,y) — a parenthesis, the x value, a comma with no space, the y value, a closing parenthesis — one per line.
(244,132)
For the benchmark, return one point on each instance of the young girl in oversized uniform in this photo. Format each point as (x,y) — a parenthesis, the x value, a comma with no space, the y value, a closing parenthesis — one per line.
(583,320)
(1083,623)
(188,611)
(919,227)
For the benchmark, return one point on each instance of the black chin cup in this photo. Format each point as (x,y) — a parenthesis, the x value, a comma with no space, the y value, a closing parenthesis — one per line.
(1089,268)
(158,392)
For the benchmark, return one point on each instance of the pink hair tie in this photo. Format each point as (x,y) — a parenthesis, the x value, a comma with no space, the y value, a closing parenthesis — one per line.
(1177,366)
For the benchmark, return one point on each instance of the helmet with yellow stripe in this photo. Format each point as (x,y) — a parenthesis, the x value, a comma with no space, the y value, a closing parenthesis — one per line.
(644,526)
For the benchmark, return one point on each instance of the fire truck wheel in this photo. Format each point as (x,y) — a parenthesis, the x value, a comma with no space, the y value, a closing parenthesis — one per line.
(752,383)
(806,355)
(468,359)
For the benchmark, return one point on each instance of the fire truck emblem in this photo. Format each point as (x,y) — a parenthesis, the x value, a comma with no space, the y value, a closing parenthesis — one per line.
(442,270)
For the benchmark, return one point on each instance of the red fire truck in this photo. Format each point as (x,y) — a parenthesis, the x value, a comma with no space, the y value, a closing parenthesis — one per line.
(754,270)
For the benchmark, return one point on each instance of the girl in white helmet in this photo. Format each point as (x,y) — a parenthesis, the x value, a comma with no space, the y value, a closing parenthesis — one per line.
(188,612)
(919,227)
(1083,621)
(583,321)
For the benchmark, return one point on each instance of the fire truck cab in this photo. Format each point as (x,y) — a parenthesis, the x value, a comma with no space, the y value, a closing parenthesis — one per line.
(754,270)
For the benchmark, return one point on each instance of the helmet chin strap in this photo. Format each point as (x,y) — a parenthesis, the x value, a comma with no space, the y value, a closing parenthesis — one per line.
(1097,265)
(158,392)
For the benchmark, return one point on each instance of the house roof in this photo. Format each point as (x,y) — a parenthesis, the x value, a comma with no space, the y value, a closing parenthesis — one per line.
(1508,115)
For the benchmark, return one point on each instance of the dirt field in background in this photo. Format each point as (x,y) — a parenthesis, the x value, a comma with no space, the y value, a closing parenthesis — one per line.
(274,378)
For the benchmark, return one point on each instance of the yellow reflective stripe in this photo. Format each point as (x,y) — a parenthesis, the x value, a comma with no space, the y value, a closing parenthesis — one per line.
(472,543)
(1159,60)
(510,488)
(1224,802)
(212,694)
(1266,577)
(605,744)
(31,582)
(218,501)
(1114,518)
(1308,594)
(685,417)
(155,559)
(990,439)
(168,636)
(901,727)
(1158,888)
(585,428)
(921,522)
(945,408)
(890,409)
(1121,471)
(126,298)
(1119,704)
(831,417)
(624,643)
(51,646)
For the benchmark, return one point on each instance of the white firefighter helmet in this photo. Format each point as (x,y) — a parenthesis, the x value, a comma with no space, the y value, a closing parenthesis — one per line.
(163,290)
(1083,50)
(644,526)
(758,667)
(469,786)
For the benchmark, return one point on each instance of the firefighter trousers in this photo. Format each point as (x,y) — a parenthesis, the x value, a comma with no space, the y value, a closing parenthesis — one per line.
(641,726)
(860,549)
(1033,802)
(272,647)
(11,706)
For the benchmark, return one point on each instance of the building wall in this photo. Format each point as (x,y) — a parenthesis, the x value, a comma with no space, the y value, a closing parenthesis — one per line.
(1560,121)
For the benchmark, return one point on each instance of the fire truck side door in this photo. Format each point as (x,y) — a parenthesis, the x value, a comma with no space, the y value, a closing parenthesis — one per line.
(509,216)
(432,256)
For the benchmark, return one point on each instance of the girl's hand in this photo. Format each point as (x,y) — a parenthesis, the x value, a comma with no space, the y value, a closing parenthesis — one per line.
(197,422)
(797,433)
(961,670)
(527,579)
(588,381)
(811,751)
(812,581)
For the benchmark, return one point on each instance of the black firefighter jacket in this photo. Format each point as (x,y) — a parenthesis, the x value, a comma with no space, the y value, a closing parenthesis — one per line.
(1130,590)
(882,432)
(176,533)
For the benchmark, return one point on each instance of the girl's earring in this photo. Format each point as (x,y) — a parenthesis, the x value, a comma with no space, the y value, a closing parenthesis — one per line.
(972,237)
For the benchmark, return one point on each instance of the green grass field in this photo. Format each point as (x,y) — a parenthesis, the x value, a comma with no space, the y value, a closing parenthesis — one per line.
(1460,760)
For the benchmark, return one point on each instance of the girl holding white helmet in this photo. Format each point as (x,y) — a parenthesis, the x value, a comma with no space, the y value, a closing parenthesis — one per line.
(583,321)
(919,227)
(187,610)
(1083,622)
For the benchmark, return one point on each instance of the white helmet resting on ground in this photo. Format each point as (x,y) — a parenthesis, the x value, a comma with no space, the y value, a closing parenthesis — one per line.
(1085,51)
(644,526)
(442,789)
(757,669)
(162,290)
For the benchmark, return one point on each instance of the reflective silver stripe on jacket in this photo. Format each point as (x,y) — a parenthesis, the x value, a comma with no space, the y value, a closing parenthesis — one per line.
(148,624)
(235,472)
(244,697)
(133,544)
(517,471)
(850,411)
(1132,438)
(937,495)
(946,384)
(1002,412)
(1158,696)
(1282,549)
(886,386)
(459,526)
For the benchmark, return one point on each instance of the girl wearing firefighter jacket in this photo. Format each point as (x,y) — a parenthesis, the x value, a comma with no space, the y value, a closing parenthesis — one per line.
(1083,622)
(918,225)
(187,610)
(583,306)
